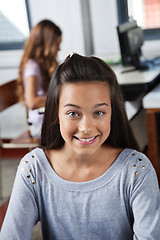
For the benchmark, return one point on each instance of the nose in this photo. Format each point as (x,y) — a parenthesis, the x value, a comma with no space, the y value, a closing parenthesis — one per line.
(86,125)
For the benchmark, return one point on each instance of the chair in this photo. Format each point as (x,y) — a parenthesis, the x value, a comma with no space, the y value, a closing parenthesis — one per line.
(3,210)
(9,98)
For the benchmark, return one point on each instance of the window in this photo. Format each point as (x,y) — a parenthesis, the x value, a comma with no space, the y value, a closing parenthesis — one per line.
(14,24)
(145,12)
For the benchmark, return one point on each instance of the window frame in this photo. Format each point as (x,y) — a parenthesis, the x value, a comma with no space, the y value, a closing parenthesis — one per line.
(17,45)
(122,12)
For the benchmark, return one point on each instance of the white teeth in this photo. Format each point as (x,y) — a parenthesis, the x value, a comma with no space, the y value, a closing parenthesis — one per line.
(86,140)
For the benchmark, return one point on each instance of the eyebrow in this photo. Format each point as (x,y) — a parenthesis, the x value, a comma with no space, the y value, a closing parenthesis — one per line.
(76,106)
(71,105)
(101,104)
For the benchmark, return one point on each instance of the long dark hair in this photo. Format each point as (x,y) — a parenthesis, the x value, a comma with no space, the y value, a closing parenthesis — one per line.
(41,46)
(76,69)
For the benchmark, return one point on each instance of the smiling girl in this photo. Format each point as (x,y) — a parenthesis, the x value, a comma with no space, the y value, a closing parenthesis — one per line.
(88,180)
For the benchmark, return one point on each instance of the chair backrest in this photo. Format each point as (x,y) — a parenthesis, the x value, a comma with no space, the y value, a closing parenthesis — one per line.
(8,96)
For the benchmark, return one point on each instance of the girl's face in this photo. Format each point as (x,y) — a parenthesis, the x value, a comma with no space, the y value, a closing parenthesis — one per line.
(85,116)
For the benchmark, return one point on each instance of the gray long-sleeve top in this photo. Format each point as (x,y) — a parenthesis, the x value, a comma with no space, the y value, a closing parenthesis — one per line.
(122,204)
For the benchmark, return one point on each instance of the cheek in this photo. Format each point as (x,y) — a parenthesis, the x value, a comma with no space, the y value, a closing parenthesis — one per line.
(105,126)
(66,128)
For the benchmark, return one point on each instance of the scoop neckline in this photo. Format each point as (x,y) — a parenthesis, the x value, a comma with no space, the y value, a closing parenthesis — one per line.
(90,185)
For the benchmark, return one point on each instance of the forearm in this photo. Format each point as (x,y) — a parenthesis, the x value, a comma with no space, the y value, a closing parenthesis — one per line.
(32,98)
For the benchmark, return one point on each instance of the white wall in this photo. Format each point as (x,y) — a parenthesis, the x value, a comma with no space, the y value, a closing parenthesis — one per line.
(67,15)
(104,22)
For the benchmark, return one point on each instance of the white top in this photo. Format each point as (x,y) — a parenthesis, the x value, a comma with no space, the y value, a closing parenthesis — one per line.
(32,69)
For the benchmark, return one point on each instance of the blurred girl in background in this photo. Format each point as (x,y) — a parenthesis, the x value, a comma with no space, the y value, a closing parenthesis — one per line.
(38,62)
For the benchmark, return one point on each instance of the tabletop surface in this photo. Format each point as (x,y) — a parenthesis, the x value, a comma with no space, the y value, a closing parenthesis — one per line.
(135,77)
(152,99)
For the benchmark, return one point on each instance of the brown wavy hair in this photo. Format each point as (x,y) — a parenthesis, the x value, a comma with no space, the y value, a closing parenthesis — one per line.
(75,69)
(41,46)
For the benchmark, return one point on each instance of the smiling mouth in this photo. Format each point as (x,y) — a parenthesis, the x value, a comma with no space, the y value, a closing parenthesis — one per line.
(86,139)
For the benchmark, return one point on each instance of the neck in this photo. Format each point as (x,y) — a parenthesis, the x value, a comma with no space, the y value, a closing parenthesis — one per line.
(79,168)
(82,160)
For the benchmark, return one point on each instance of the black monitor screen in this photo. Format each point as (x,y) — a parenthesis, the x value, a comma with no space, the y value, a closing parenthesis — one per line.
(130,41)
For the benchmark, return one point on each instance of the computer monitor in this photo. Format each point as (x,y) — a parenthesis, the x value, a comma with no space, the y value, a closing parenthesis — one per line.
(130,41)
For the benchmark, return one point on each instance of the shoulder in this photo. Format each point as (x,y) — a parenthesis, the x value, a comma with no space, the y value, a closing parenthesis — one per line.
(137,167)
(29,166)
(32,64)
(31,68)
(138,162)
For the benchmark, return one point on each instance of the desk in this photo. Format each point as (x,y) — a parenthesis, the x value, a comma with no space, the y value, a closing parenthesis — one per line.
(135,77)
(135,83)
(151,102)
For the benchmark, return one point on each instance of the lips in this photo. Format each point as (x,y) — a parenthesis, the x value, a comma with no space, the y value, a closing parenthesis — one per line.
(86,139)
